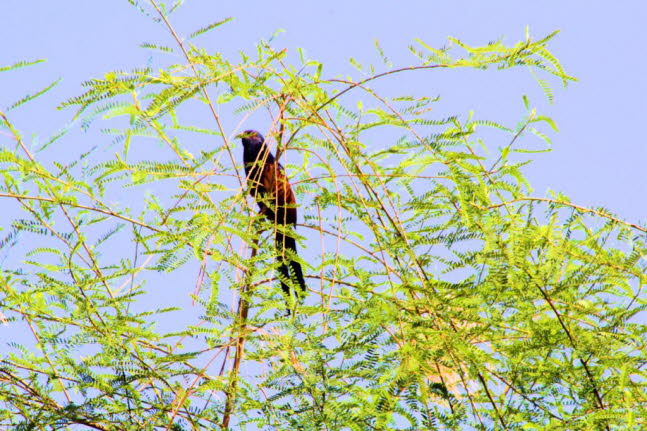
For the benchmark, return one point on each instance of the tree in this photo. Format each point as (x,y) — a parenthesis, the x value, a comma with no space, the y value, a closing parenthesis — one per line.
(443,295)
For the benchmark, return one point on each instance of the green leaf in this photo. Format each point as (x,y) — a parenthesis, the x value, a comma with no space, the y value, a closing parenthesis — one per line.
(210,27)
(19,65)
(33,96)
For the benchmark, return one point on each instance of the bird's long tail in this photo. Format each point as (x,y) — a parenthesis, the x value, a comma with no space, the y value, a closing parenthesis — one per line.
(289,269)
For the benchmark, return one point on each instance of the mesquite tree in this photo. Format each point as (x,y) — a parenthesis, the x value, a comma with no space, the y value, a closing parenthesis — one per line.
(442,294)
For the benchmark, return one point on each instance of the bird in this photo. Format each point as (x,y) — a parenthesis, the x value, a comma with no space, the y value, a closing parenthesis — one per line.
(271,190)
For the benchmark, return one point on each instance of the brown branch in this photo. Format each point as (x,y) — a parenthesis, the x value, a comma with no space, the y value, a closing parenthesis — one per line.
(243,310)
(205,93)
(75,205)
(572,340)
(568,204)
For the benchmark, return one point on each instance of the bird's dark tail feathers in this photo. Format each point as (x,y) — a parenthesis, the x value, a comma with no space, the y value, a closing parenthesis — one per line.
(288,268)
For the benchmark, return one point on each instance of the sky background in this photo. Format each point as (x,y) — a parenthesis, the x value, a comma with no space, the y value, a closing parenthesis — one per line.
(599,157)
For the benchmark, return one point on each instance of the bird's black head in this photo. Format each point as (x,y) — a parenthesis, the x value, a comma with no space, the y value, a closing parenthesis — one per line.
(254,148)
(251,138)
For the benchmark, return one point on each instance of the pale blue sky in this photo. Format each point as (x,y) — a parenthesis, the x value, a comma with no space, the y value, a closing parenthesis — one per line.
(599,156)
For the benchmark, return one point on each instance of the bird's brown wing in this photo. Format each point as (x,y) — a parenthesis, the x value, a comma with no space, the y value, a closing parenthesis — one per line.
(280,194)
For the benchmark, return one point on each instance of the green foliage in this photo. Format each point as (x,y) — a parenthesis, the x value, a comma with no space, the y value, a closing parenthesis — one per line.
(442,294)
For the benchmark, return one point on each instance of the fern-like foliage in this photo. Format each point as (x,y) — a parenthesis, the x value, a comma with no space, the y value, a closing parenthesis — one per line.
(441,293)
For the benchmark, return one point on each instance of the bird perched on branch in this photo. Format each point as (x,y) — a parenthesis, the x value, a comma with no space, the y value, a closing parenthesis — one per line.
(270,188)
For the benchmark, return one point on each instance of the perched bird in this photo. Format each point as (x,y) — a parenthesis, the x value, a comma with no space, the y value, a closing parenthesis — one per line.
(270,188)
